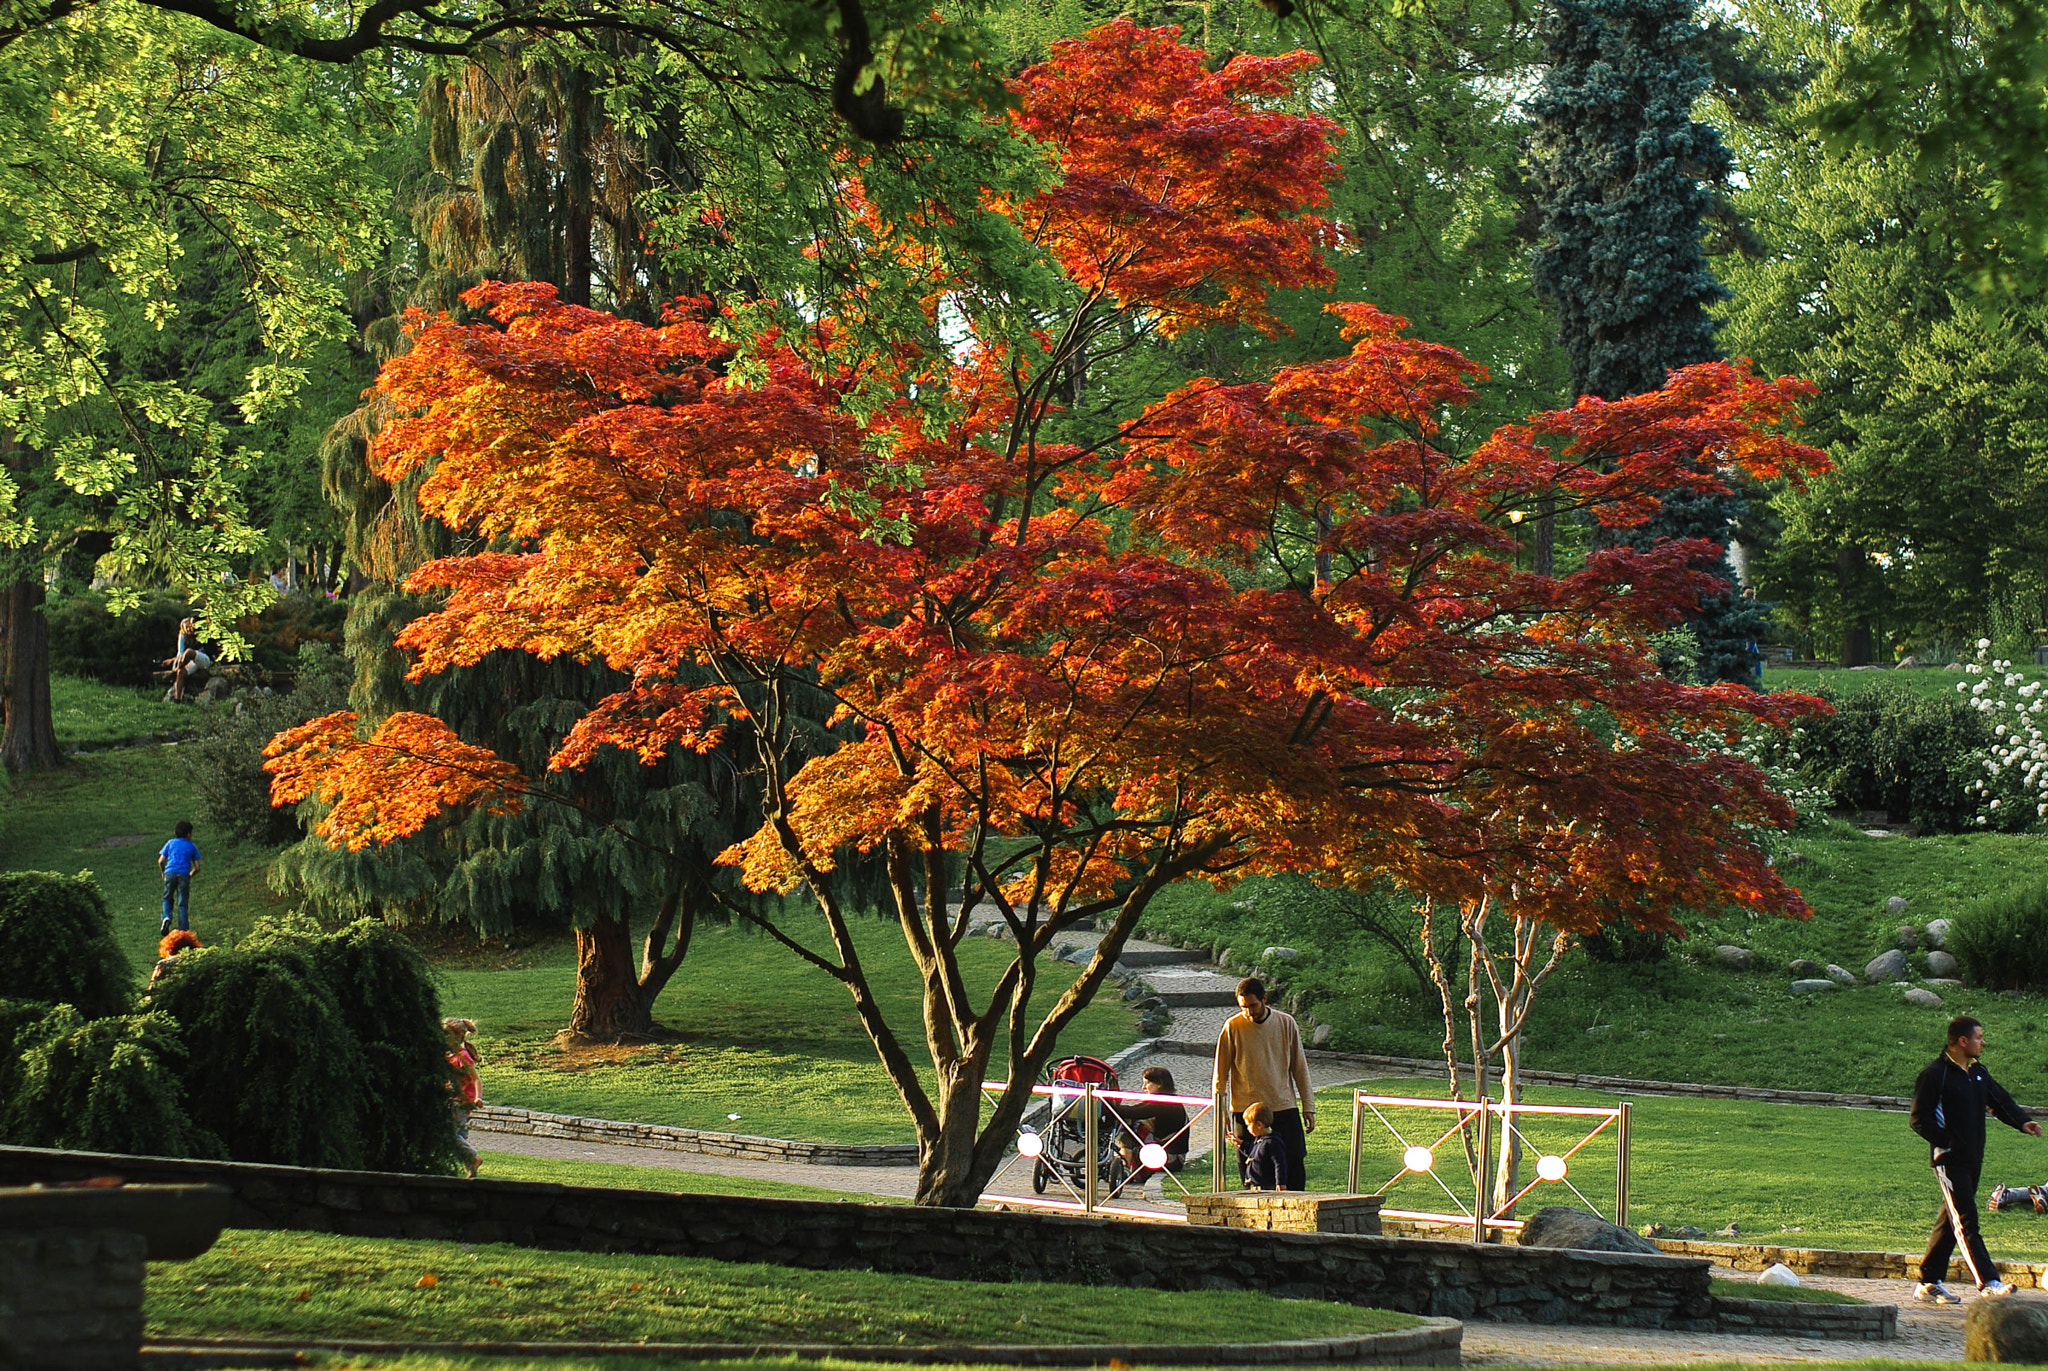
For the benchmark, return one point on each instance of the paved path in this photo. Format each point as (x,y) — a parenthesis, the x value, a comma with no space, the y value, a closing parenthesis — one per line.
(1926,1333)
(894,1181)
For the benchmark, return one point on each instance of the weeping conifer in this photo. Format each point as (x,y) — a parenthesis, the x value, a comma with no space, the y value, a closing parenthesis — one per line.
(1625,179)
(532,181)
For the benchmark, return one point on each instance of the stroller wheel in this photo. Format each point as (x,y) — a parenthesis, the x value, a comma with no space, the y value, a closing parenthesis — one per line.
(1038,1178)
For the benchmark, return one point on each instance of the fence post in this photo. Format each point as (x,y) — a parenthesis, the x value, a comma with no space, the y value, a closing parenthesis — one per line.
(1357,1130)
(1480,1201)
(1218,1133)
(1621,1169)
(1088,1131)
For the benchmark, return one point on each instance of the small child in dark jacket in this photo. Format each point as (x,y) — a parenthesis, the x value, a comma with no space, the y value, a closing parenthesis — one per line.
(1265,1163)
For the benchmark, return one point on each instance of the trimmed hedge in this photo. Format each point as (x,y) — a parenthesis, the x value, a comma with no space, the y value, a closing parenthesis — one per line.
(1890,748)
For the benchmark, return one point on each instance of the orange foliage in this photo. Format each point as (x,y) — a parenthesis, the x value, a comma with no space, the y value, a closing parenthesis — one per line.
(1318,652)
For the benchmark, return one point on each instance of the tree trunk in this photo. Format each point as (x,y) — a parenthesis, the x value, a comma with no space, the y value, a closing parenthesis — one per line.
(610,1003)
(954,1162)
(28,732)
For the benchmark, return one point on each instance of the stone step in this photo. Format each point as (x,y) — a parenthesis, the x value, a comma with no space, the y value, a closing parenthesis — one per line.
(1197,999)
(1138,957)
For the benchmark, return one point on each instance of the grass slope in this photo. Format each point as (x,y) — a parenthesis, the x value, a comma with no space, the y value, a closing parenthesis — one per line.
(92,714)
(1780,1294)
(263,1284)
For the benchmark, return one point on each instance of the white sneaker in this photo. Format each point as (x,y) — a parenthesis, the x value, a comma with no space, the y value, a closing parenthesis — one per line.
(1934,1292)
(1994,1290)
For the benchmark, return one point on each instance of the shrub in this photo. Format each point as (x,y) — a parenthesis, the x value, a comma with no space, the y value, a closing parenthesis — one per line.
(316,1049)
(98,1085)
(224,765)
(57,944)
(1888,748)
(386,992)
(273,1069)
(2002,941)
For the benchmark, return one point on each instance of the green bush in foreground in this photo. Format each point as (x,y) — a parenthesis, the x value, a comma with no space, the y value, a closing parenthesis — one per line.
(99,1085)
(57,944)
(2002,940)
(273,1070)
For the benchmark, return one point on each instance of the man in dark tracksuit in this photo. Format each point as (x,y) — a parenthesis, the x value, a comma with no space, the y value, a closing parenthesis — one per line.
(1950,1101)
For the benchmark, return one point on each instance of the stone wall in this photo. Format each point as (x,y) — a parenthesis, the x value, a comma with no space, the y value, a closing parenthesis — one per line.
(1283,1212)
(1448,1279)
(1789,1319)
(1822,1261)
(71,1298)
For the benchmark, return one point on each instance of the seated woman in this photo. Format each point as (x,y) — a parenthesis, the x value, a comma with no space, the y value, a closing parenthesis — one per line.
(1165,1123)
(188,665)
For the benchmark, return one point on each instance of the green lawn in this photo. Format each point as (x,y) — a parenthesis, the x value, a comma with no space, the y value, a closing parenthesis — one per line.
(265,1284)
(110,813)
(512,1166)
(1844,1178)
(92,714)
(428,1362)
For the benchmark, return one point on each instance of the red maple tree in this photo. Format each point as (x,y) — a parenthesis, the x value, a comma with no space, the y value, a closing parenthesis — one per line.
(1255,628)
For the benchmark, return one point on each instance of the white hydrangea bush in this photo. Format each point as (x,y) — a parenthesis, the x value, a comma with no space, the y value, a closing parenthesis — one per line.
(2013,791)
(1777,755)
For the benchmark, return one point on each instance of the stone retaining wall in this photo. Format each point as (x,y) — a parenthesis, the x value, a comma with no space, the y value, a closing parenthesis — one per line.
(1822,1261)
(493,1118)
(71,1298)
(1444,1279)
(1789,1319)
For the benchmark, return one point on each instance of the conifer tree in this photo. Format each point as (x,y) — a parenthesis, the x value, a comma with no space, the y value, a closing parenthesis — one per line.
(530,179)
(1625,176)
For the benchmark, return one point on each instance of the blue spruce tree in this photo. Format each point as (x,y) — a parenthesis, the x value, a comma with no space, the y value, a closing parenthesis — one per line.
(1625,179)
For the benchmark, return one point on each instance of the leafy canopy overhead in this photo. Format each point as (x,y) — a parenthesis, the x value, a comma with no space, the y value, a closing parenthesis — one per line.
(1272,626)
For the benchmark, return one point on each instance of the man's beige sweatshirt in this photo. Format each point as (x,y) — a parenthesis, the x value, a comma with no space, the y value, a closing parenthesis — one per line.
(1262,1062)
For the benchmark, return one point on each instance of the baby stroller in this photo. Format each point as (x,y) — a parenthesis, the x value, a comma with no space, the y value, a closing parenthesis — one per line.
(1064,1143)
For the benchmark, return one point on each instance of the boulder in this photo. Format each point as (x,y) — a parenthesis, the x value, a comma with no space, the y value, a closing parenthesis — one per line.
(1811,985)
(1736,958)
(1937,933)
(1280,954)
(1944,982)
(1886,966)
(1562,1226)
(1942,964)
(1806,966)
(1897,905)
(1321,1037)
(1793,859)
(216,690)
(1777,1273)
(1841,975)
(1925,999)
(1908,938)
(2012,1329)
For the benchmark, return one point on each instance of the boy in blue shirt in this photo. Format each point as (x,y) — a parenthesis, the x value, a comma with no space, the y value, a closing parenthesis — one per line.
(178,860)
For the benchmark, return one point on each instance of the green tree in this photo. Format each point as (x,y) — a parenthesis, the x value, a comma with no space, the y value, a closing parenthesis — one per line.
(1928,387)
(1626,176)
(155,165)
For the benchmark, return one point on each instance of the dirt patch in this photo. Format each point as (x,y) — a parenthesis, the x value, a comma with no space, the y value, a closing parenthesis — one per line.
(458,946)
(123,840)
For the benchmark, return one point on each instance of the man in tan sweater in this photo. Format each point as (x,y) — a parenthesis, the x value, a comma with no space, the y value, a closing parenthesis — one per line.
(1259,1059)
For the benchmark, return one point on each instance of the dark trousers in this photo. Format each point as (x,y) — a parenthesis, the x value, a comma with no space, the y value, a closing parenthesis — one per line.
(1293,1142)
(1958,1221)
(178,887)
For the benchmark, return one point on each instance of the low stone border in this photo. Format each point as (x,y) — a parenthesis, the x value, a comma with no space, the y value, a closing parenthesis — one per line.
(1437,1343)
(1791,1319)
(1824,1261)
(493,1118)
(1613,1085)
